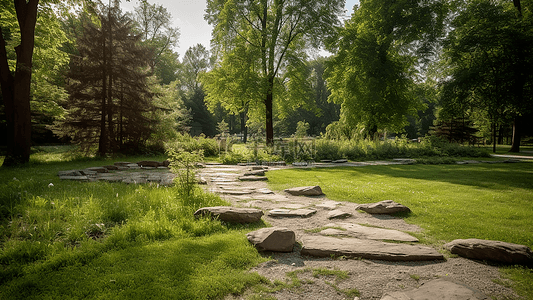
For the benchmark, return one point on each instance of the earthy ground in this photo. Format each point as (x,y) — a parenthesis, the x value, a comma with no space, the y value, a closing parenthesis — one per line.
(370,277)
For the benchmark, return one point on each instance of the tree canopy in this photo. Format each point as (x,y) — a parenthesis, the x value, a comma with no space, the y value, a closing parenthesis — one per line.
(273,34)
(374,70)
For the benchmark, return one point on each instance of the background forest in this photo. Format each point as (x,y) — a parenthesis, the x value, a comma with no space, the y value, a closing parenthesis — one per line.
(112,82)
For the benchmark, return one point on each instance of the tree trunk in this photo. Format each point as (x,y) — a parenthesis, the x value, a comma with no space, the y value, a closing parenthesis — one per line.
(244,128)
(494,137)
(268,108)
(16,90)
(102,143)
(515,147)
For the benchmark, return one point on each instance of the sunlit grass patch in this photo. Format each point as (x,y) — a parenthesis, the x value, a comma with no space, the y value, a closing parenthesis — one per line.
(485,201)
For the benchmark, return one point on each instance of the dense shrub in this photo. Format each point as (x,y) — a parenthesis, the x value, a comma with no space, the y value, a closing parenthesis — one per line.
(209,147)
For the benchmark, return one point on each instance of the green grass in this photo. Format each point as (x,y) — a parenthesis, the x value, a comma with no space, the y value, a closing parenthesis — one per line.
(485,201)
(96,240)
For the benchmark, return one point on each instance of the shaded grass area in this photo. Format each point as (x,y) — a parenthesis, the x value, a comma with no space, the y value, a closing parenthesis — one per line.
(74,240)
(485,201)
(190,268)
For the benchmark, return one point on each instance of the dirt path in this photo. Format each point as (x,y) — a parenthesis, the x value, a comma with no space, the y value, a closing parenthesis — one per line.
(371,278)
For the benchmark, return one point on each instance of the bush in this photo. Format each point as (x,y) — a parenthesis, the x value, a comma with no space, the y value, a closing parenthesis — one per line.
(185,142)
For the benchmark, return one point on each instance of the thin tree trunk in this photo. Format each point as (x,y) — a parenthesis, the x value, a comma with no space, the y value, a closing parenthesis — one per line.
(268,107)
(16,90)
(102,143)
(515,147)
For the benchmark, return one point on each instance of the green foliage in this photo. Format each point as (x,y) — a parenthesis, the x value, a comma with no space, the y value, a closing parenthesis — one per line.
(184,164)
(364,149)
(209,147)
(301,129)
(372,74)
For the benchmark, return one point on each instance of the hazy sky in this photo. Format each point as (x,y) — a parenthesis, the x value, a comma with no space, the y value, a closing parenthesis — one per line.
(189,17)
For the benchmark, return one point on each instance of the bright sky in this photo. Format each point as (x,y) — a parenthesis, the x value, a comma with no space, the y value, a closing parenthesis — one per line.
(189,18)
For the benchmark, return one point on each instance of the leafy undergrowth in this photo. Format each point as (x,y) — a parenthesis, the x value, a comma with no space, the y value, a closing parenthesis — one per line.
(485,201)
(72,240)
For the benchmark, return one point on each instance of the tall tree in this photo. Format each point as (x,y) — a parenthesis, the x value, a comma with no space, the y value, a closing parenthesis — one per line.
(277,29)
(196,62)
(154,22)
(489,60)
(373,72)
(16,86)
(110,103)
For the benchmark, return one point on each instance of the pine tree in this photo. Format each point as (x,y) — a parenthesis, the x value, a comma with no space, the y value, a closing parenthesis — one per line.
(109,102)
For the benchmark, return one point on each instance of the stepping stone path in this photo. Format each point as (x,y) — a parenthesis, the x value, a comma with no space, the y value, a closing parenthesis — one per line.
(126,172)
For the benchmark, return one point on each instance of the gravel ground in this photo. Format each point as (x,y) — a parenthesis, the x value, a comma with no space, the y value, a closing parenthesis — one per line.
(371,278)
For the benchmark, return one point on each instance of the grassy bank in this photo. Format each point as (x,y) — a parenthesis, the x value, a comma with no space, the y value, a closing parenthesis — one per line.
(74,240)
(486,201)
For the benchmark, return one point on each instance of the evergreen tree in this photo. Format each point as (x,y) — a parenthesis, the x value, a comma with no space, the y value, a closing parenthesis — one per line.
(109,103)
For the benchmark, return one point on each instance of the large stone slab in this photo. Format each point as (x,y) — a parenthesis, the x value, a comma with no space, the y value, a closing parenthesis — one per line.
(324,246)
(278,239)
(329,204)
(491,250)
(305,191)
(231,214)
(76,178)
(98,169)
(437,289)
(253,178)
(255,173)
(338,214)
(69,173)
(365,232)
(383,207)
(302,213)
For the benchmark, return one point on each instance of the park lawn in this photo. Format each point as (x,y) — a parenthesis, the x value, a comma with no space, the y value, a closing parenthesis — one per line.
(97,240)
(485,201)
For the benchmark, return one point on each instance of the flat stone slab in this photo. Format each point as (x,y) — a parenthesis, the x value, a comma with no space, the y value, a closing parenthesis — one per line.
(338,214)
(278,239)
(255,173)
(305,191)
(265,191)
(98,169)
(324,246)
(76,178)
(234,192)
(491,250)
(231,214)
(365,232)
(383,207)
(253,178)
(328,204)
(69,173)
(303,213)
(437,289)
